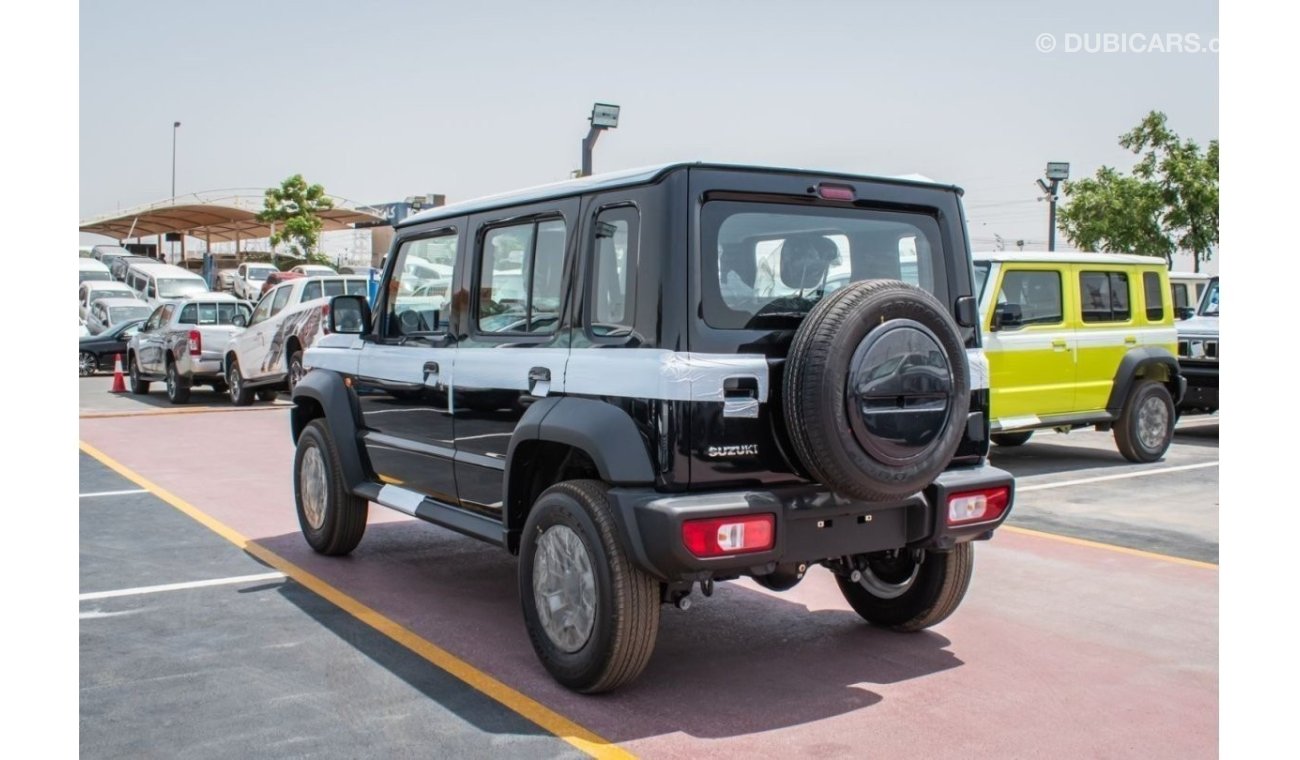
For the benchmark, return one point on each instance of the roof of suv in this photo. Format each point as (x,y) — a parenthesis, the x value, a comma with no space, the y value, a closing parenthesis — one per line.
(1028,257)
(158,269)
(626,178)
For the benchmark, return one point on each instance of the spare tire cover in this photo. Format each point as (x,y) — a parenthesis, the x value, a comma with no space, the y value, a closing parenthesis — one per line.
(876,390)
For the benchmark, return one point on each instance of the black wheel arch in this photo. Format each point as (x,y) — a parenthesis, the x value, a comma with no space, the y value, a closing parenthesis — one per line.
(325,394)
(1145,363)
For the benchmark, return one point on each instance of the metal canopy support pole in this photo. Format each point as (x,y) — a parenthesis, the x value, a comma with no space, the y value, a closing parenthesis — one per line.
(162,255)
(239,255)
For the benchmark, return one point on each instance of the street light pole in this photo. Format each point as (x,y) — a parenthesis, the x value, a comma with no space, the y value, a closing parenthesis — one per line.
(603,116)
(1056,172)
(175,125)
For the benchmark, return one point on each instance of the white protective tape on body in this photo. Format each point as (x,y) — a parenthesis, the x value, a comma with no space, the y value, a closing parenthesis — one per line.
(660,374)
(979,369)
(395,497)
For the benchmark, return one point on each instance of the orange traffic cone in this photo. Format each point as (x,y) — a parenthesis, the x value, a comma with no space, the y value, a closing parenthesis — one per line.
(118,385)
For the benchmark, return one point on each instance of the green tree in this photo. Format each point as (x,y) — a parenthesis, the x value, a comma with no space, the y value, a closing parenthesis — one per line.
(294,208)
(1169,203)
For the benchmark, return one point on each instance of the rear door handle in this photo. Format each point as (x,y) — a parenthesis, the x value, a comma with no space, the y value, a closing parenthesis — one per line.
(539,381)
(430,370)
(1130,340)
(1059,345)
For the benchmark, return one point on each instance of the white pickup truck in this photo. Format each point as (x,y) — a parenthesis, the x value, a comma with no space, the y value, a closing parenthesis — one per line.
(266,357)
(183,343)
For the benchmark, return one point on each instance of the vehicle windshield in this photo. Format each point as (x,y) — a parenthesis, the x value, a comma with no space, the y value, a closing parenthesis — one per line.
(1210,301)
(123,292)
(259,273)
(95,275)
(981,277)
(766,265)
(180,288)
(118,314)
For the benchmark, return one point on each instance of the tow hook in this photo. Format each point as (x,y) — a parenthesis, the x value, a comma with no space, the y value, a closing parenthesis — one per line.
(684,602)
(706,587)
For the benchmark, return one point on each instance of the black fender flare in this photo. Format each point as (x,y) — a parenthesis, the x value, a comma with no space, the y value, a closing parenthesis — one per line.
(1136,360)
(324,393)
(602,431)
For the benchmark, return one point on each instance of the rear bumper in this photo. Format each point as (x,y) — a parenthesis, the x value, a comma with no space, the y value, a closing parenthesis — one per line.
(812,524)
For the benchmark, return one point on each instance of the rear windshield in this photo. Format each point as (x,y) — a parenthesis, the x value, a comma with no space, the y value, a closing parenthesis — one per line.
(766,265)
(123,313)
(180,287)
(220,313)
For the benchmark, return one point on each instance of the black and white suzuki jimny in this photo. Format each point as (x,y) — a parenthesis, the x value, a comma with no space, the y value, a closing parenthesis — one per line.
(644,381)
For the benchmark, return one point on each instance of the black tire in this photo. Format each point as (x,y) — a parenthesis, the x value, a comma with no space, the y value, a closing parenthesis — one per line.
(87,363)
(240,394)
(859,329)
(139,386)
(1012,439)
(296,370)
(267,394)
(1145,427)
(178,388)
(219,386)
(938,588)
(342,520)
(626,617)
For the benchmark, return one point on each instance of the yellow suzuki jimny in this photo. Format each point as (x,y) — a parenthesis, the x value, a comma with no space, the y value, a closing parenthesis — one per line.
(1080,339)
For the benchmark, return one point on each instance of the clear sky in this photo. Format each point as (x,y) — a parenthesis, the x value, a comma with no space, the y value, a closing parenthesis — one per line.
(381,100)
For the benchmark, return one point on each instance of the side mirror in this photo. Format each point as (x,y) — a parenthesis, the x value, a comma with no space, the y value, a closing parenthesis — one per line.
(967,312)
(1184,312)
(349,315)
(1008,315)
(240,321)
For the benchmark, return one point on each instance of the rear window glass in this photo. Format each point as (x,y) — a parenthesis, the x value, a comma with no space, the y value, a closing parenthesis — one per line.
(213,313)
(766,265)
(1154,296)
(1104,296)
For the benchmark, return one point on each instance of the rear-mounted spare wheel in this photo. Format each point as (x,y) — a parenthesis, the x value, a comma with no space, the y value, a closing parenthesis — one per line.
(876,390)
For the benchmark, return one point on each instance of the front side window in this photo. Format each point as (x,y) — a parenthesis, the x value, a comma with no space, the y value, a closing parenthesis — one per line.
(1154,296)
(1104,296)
(613,272)
(766,265)
(419,291)
(521,269)
(1037,293)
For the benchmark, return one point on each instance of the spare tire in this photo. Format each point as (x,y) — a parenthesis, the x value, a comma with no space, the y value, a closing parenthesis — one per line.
(877,390)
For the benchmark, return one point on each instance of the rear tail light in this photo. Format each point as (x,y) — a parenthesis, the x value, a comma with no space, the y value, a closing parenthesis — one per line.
(325,318)
(971,507)
(720,536)
(196,343)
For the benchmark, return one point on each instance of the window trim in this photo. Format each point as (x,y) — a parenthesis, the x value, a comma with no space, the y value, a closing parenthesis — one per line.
(476,275)
(589,274)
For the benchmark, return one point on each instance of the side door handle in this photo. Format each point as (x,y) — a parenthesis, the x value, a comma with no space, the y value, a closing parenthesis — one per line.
(1058,345)
(1130,340)
(539,381)
(431,370)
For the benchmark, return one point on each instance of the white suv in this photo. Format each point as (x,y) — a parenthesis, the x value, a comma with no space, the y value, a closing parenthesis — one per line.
(248,279)
(267,357)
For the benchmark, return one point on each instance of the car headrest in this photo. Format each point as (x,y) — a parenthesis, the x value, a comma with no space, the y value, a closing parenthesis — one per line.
(805,260)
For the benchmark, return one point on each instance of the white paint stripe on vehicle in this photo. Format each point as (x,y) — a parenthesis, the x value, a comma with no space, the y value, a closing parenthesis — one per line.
(1120,476)
(112,493)
(978,362)
(401,499)
(180,586)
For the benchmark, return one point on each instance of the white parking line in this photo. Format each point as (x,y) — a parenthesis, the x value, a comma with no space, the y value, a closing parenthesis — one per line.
(113,493)
(1121,476)
(178,586)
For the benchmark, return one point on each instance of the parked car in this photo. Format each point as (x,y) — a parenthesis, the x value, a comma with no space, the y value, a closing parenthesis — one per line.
(97,352)
(107,254)
(226,279)
(183,343)
(159,283)
(1198,354)
(90,270)
(121,264)
(1081,340)
(249,278)
(92,291)
(84,331)
(643,412)
(313,270)
(275,278)
(267,357)
(106,313)
(1187,289)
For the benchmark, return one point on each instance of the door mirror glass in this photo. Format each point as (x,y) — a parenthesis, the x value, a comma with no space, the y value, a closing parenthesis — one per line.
(239,321)
(1007,316)
(349,315)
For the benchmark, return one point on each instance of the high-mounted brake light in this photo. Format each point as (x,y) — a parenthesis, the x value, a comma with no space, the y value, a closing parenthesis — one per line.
(719,536)
(835,192)
(196,342)
(973,507)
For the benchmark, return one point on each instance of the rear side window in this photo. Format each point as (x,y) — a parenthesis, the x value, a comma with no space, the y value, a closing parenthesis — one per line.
(613,273)
(1179,290)
(521,269)
(1104,296)
(765,265)
(189,315)
(1155,296)
(1037,293)
(311,291)
(281,299)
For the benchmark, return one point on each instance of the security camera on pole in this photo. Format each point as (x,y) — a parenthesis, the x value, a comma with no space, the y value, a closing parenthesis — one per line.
(603,116)
(1057,171)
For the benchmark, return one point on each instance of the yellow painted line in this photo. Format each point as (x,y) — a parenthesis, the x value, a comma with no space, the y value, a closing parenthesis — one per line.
(1111,547)
(563,728)
(169,412)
